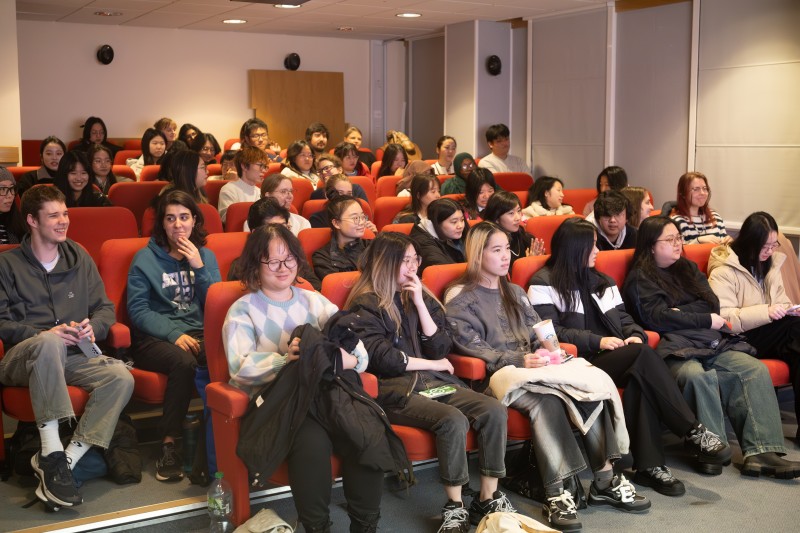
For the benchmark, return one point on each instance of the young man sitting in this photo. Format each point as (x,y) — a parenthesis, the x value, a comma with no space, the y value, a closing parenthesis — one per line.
(498,138)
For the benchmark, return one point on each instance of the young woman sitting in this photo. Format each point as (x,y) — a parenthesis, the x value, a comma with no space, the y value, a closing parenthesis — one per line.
(299,163)
(347,244)
(102,160)
(189,175)
(696,221)
(51,150)
(480,187)
(493,320)
(546,197)
(446,152)
(329,166)
(424,190)
(394,160)
(463,165)
(440,237)
(504,209)
(12,225)
(154,146)
(611,178)
(640,204)
(281,188)
(75,178)
(746,277)
(414,168)
(403,329)
(351,163)
(668,294)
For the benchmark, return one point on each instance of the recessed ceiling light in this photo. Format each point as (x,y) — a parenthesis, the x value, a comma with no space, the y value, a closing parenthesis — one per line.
(287,6)
(234,21)
(408,15)
(108,13)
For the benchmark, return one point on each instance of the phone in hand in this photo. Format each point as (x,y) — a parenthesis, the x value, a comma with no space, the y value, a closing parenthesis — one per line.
(88,348)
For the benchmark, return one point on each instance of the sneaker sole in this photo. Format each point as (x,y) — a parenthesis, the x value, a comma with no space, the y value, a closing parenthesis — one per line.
(561,527)
(768,471)
(45,495)
(48,504)
(710,469)
(674,490)
(595,501)
(169,479)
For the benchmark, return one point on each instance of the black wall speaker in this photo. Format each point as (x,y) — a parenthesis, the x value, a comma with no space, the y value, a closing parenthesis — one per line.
(292,61)
(105,54)
(494,65)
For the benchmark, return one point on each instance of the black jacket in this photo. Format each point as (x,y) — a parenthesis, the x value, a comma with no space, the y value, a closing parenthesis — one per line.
(628,243)
(330,258)
(435,251)
(316,385)
(519,241)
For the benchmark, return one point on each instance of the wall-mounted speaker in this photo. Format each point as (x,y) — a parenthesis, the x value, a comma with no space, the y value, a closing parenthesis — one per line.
(292,61)
(494,65)
(105,54)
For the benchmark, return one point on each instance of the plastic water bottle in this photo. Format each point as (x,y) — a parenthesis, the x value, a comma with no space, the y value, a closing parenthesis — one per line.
(220,505)
(191,429)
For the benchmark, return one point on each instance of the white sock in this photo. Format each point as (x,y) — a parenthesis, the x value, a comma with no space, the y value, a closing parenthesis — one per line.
(48,434)
(75,451)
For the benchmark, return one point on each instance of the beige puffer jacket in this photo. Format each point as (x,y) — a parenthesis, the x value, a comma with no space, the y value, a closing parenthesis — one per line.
(742,300)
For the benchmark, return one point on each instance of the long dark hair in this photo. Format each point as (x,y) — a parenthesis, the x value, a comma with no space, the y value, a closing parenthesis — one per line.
(148,136)
(499,204)
(177,197)
(616,176)
(13,220)
(93,150)
(87,129)
(183,169)
(675,280)
(389,153)
(542,185)
(751,239)
(439,211)
(67,165)
(475,181)
(568,263)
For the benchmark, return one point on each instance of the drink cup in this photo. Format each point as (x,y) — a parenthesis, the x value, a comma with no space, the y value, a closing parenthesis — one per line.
(546,333)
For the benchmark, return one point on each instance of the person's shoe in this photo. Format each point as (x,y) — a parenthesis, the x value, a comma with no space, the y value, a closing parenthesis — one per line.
(710,452)
(661,480)
(455,518)
(621,494)
(55,480)
(170,466)
(561,512)
(770,464)
(498,503)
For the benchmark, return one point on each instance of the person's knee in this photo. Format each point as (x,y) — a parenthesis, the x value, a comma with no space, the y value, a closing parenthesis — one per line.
(453,424)
(121,378)
(692,374)
(496,414)
(48,347)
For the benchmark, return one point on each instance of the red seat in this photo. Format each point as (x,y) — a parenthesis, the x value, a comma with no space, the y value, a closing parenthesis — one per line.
(132,144)
(226,248)
(544,227)
(121,158)
(302,192)
(229,143)
(214,169)
(513,181)
(387,185)
(92,226)
(367,184)
(525,267)
(17,172)
(212,190)
(149,173)
(615,263)
(523,198)
(400,228)
(136,196)
(236,216)
(336,287)
(123,171)
(211,220)
(699,253)
(387,207)
(6,247)
(373,171)
(578,198)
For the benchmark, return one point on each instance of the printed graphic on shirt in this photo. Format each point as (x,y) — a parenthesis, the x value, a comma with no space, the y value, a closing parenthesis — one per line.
(179,286)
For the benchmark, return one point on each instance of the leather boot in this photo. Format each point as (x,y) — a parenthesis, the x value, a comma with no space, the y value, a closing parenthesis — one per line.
(770,464)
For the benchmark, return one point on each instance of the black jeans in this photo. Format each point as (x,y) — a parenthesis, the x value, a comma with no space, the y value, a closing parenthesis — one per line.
(651,397)
(781,340)
(309,463)
(179,365)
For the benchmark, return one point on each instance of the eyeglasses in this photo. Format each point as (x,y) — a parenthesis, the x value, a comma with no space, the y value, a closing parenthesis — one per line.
(284,192)
(413,261)
(7,191)
(468,164)
(209,149)
(258,136)
(357,219)
(103,162)
(698,189)
(307,156)
(326,170)
(766,248)
(274,265)
(262,166)
(675,240)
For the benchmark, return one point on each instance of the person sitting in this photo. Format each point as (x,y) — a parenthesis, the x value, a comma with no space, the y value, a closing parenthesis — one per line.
(154,146)
(317,135)
(101,160)
(188,174)
(746,277)
(51,150)
(641,205)
(207,146)
(610,216)
(403,328)
(463,165)
(504,209)
(492,319)
(446,152)
(169,128)
(12,225)
(349,156)
(587,310)
(394,161)
(258,342)
(299,163)
(75,178)
(498,138)
(668,294)
(95,132)
(281,188)
(480,187)
(611,178)
(328,166)
(424,190)
(228,166)
(167,285)
(440,237)
(188,133)
(254,132)
(696,221)
(250,164)
(353,135)
(546,197)
(348,224)
(414,168)
(52,300)
(337,185)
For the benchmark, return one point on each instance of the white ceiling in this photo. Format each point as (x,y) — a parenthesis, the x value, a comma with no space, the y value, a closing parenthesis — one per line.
(370,19)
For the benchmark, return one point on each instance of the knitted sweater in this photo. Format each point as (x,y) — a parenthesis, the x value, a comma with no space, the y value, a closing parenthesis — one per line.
(691,229)
(536,210)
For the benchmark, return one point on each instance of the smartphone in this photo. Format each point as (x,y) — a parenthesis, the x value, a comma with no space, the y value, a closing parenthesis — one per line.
(438,392)
(793,308)
(88,348)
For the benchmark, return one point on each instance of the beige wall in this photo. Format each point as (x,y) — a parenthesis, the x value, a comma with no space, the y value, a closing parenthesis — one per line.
(10,126)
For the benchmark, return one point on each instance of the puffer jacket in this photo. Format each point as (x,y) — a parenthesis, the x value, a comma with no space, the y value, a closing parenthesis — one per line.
(743,301)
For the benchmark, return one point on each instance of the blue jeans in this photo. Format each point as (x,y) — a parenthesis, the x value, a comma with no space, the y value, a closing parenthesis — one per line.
(737,385)
(41,363)
(558,455)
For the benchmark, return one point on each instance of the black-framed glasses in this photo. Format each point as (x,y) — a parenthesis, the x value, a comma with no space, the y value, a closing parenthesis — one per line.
(357,219)
(7,191)
(767,247)
(672,241)
(259,136)
(274,265)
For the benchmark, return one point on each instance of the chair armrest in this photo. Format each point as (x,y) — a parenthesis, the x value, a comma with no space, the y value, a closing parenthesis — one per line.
(569,348)
(370,383)
(466,367)
(653,338)
(119,336)
(226,399)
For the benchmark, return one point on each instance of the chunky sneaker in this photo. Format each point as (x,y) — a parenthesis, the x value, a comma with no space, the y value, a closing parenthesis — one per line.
(170,466)
(55,480)
(561,512)
(620,495)
(711,453)
(770,464)
(498,503)
(455,518)
(660,479)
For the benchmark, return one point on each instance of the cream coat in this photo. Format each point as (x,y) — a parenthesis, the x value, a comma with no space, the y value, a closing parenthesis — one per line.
(742,300)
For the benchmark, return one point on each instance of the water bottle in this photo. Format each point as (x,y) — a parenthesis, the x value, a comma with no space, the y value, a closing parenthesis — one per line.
(220,505)
(191,429)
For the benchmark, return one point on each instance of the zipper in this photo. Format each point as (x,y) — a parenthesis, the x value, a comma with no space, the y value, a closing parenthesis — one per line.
(413,385)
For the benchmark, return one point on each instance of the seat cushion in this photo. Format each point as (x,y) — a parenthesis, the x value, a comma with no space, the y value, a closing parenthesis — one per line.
(17,402)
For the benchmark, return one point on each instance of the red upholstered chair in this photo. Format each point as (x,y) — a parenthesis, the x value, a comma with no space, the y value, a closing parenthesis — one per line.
(387,185)
(17,172)
(135,196)
(149,173)
(400,228)
(121,158)
(336,287)
(379,154)
(367,184)
(7,247)
(544,227)
(655,212)
(132,144)
(92,226)
(523,198)
(456,197)
(443,178)
(312,239)
(212,190)
(699,253)
(376,166)
(578,198)
(615,263)
(226,248)
(302,192)
(513,181)
(211,220)
(123,171)
(236,216)
(525,267)
(214,169)
(387,207)
(229,143)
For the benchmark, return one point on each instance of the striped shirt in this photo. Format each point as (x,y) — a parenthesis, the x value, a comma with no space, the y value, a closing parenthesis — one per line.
(692,228)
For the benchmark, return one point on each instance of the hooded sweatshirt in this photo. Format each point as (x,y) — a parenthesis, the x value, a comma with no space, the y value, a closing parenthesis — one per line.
(166,296)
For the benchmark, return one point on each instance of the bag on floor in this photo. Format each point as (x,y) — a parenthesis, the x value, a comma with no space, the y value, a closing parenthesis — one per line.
(524,478)
(123,456)
(265,521)
(511,523)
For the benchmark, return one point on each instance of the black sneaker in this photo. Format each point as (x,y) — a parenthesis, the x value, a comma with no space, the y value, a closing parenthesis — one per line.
(55,480)
(561,512)
(499,503)
(709,450)
(455,518)
(661,480)
(170,466)
(621,494)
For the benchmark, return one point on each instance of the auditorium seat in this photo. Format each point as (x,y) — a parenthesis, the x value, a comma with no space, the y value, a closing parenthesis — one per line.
(17,172)
(699,253)
(226,248)
(387,207)
(212,190)
(368,184)
(513,181)
(578,198)
(302,192)
(149,173)
(123,171)
(236,216)
(121,158)
(132,144)
(523,198)
(373,171)
(312,239)
(136,196)
(92,226)
(544,227)
(400,228)
(387,186)
(214,169)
